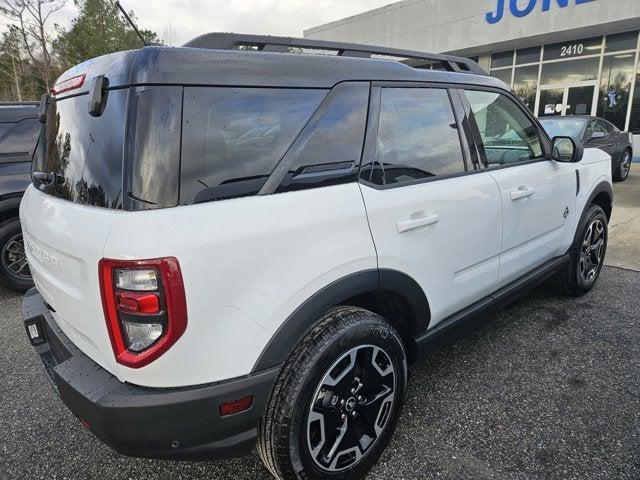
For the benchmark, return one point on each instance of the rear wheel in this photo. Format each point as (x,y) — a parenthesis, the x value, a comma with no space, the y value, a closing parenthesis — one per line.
(337,400)
(622,169)
(14,270)
(586,256)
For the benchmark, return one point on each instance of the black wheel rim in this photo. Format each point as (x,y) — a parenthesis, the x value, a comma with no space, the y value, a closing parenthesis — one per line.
(593,247)
(13,258)
(625,165)
(351,408)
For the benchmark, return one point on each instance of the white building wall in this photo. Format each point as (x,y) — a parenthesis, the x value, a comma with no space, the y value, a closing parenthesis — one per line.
(459,26)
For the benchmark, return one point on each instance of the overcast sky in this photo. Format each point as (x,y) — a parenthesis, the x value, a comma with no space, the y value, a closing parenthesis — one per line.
(180,20)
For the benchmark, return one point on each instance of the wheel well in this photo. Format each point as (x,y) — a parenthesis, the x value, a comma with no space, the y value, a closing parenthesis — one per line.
(393,308)
(9,215)
(603,199)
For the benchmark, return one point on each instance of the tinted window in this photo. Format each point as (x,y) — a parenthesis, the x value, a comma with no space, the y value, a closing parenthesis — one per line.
(570,72)
(233,137)
(506,135)
(525,85)
(595,127)
(328,150)
(615,87)
(622,41)
(528,55)
(609,128)
(417,135)
(84,151)
(502,59)
(156,147)
(19,138)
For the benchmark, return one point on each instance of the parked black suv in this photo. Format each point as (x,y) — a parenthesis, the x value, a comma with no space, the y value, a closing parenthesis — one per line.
(19,130)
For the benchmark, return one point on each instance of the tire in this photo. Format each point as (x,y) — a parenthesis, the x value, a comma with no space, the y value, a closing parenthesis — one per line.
(622,168)
(11,251)
(580,271)
(336,350)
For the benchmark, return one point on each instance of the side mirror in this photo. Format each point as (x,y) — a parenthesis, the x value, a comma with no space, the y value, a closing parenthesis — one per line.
(597,135)
(565,149)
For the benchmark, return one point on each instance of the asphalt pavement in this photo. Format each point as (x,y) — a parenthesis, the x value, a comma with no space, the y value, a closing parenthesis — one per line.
(548,389)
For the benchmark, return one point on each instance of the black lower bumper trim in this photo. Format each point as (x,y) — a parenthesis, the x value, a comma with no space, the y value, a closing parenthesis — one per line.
(178,423)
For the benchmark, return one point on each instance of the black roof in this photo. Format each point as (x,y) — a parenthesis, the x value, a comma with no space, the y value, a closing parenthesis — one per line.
(212,59)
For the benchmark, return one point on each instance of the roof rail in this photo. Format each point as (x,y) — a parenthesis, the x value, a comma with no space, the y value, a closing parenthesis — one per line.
(265,43)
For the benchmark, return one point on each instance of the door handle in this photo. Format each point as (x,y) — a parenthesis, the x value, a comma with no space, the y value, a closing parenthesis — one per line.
(522,192)
(414,223)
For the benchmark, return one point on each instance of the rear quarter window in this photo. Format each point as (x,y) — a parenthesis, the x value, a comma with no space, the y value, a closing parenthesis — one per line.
(234,137)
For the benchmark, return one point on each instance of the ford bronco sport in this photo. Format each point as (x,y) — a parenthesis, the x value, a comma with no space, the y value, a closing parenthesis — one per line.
(241,242)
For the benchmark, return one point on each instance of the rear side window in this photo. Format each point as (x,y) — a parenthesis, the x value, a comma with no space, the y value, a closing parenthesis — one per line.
(18,139)
(234,137)
(328,151)
(417,136)
(504,133)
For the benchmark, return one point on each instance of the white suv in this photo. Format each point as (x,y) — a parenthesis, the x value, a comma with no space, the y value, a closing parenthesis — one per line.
(239,244)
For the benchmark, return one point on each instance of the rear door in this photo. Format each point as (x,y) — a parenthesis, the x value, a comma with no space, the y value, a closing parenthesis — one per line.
(430,217)
(538,194)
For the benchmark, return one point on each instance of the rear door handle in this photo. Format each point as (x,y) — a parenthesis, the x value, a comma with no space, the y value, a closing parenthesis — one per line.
(414,223)
(522,192)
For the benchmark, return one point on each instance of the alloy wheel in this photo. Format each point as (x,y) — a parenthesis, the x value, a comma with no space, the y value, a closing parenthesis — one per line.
(351,408)
(592,251)
(625,164)
(14,259)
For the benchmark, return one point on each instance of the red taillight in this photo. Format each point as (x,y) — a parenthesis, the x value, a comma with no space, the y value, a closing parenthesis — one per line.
(144,306)
(66,85)
(140,303)
(237,406)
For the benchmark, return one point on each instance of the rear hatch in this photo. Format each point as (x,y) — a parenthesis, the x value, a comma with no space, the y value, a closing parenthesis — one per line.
(66,217)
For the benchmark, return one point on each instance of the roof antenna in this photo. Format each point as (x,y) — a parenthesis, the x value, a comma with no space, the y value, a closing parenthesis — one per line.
(133,25)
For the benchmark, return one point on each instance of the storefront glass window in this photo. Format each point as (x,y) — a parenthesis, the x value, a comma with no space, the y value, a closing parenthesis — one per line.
(502,59)
(634,125)
(525,84)
(576,48)
(621,41)
(570,72)
(528,55)
(504,75)
(615,87)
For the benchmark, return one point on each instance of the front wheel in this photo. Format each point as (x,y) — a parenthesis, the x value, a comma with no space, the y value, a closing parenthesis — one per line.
(586,257)
(337,400)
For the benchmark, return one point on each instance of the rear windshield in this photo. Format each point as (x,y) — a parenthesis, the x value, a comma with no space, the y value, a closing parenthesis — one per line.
(232,138)
(84,152)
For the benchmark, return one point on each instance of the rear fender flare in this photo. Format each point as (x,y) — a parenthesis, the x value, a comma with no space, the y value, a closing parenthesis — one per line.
(296,325)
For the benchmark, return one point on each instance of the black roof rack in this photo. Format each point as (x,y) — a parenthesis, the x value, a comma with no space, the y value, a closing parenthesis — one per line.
(265,43)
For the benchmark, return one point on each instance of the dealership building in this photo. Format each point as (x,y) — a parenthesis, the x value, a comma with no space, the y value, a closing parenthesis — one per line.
(561,57)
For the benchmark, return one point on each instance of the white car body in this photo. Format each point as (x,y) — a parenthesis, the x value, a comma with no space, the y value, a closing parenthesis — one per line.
(246,270)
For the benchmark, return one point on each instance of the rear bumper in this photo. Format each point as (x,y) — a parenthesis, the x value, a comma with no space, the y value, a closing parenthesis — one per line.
(180,423)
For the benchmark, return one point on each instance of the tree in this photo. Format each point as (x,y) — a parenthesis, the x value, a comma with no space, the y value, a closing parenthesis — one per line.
(20,77)
(98,29)
(31,18)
